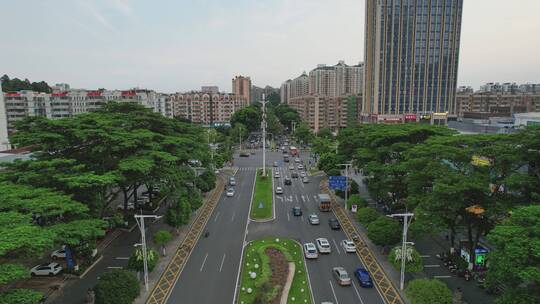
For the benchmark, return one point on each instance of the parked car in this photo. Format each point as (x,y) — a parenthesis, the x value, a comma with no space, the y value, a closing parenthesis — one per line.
(334,224)
(47,269)
(279,190)
(314,219)
(323,245)
(232,181)
(341,276)
(59,254)
(364,279)
(297,211)
(130,206)
(305,180)
(310,251)
(348,246)
(230,192)
(288,181)
(294,175)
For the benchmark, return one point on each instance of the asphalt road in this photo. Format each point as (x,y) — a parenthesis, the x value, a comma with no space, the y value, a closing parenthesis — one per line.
(211,272)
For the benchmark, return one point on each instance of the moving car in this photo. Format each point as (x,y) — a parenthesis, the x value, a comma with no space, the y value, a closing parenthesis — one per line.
(314,219)
(300,167)
(275,164)
(291,167)
(47,269)
(288,181)
(364,279)
(294,175)
(305,180)
(230,192)
(323,246)
(244,154)
(232,181)
(277,174)
(303,174)
(334,224)
(296,211)
(279,190)
(310,251)
(348,246)
(297,160)
(341,276)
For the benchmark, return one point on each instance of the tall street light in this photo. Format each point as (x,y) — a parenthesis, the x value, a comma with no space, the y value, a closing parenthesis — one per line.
(263,101)
(140,223)
(407,217)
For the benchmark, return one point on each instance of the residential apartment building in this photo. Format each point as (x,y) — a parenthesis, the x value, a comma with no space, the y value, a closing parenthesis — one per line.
(285,91)
(411,58)
(4,142)
(256,93)
(241,86)
(337,80)
(208,108)
(19,105)
(482,105)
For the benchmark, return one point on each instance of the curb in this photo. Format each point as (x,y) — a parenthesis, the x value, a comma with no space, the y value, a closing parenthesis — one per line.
(91,266)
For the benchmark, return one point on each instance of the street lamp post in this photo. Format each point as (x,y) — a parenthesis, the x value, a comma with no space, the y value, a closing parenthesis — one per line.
(139,218)
(346,181)
(407,217)
(263,101)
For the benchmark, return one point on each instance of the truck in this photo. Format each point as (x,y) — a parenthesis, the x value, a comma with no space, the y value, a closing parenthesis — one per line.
(325,204)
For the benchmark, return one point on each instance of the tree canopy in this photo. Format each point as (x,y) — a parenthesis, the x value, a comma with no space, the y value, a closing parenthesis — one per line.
(15,85)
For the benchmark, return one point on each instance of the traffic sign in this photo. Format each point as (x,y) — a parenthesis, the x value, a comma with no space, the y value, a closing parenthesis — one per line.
(338,182)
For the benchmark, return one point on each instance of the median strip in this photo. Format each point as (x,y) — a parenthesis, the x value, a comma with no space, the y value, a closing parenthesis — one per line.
(262,208)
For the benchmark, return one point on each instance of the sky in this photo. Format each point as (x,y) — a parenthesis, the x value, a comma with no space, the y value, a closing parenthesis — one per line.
(178,45)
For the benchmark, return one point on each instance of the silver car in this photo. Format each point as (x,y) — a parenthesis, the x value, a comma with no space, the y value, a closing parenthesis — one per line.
(314,219)
(341,276)
(47,269)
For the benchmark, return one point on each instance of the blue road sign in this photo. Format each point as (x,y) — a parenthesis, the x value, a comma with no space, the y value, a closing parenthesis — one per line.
(338,182)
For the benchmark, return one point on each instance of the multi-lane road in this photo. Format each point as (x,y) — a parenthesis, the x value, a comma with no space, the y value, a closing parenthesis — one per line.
(210,275)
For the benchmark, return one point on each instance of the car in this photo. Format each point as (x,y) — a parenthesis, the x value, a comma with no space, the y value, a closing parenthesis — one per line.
(297,211)
(323,245)
(279,190)
(244,154)
(348,246)
(59,254)
(341,276)
(230,192)
(303,174)
(288,181)
(47,269)
(291,167)
(310,251)
(364,279)
(314,219)
(294,175)
(297,160)
(334,224)
(275,164)
(285,152)
(305,180)
(300,167)
(277,174)
(232,181)
(286,160)
(252,153)
(130,206)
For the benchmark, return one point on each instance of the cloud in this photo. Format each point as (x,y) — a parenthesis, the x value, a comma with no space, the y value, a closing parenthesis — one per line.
(90,8)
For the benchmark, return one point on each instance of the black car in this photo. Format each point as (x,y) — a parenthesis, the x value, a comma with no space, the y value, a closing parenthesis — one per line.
(288,181)
(334,224)
(244,154)
(294,175)
(296,211)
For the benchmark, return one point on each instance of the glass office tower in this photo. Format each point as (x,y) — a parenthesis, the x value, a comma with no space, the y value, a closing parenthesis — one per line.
(411,56)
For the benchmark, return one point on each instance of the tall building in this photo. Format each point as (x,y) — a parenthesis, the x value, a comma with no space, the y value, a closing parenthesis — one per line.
(207,108)
(411,57)
(4,143)
(241,86)
(337,80)
(256,93)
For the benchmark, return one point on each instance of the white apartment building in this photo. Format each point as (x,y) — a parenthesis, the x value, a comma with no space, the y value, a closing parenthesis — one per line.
(207,108)
(335,81)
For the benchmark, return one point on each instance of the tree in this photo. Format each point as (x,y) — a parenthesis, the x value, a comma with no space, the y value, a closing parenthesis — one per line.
(426,291)
(206,181)
(303,133)
(384,231)
(179,213)
(325,133)
(329,161)
(356,199)
(20,296)
(161,238)
(250,117)
(367,215)
(136,261)
(239,131)
(414,265)
(117,287)
(515,260)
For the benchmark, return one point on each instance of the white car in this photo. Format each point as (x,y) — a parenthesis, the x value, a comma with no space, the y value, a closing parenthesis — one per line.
(300,167)
(310,251)
(230,192)
(59,254)
(277,174)
(232,181)
(297,160)
(303,174)
(305,180)
(291,167)
(348,246)
(279,190)
(47,269)
(323,245)
(314,219)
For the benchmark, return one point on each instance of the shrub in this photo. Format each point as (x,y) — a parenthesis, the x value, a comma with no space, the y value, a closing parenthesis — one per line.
(367,215)
(426,291)
(356,199)
(135,261)
(117,287)
(413,266)
(20,296)
(162,237)
(384,231)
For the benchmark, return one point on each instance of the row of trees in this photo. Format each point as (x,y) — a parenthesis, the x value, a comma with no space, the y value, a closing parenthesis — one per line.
(482,184)
(79,166)
(15,85)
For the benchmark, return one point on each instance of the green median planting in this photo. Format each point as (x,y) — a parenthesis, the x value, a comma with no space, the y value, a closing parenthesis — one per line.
(262,204)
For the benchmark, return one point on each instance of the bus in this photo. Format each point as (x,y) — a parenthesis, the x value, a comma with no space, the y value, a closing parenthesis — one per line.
(293,151)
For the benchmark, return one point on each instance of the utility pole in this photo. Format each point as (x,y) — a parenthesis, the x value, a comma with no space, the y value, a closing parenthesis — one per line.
(346,181)
(407,217)
(263,101)
(140,223)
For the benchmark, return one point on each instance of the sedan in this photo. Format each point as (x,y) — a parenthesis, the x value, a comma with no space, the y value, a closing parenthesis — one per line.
(303,174)
(297,160)
(294,175)
(341,276)
(300,167)
(348,246)
(305,180)
(279,190)
(59,254)
(291,167)
(310,251)
(334,224)
(296,211)
(363,277)
(275,164)
(277,174)
(244,154)
(314,219)
(323,245)
(288,181)
(230,192)
(47,269)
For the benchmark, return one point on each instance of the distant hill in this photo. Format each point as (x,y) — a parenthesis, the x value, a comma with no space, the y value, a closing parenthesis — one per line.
(15,85)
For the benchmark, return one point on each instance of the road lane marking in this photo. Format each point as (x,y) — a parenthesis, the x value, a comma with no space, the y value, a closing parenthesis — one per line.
(333,292)
(204,261)
(307,198)
(315,197)
(432,266)
(296,196)
(288,217)
(425,256)
(233,215)
(216,217)
(357,293)
(303,198)
(114,267)
(222,260)
(442,277)
(335,244)
(122,258)
(302,218)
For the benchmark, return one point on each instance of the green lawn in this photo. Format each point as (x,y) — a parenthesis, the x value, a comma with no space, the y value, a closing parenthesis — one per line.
(262,205)
(256,261)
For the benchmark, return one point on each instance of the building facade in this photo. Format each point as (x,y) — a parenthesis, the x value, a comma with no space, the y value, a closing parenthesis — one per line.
(482,105)
(207,108)
(337,80)
(411,57)
(256,93)
(241,86)
(4,141)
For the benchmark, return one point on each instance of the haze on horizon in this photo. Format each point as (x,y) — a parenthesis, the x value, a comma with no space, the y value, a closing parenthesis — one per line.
(174,46)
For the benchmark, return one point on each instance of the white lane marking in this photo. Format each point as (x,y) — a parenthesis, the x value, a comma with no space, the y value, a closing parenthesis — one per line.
(122,258)
(303,198)
(335,244)
(302,184)
(204,261)
(442,277)
(296,196)
(333,291)
(222,260)
(307,198)
(290,198)
(280,198)
(302,218)
(233,215)
(288,217)
(215,218)
(425,256)
(357,293)
(315,197)
(432,266)
(114,267)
